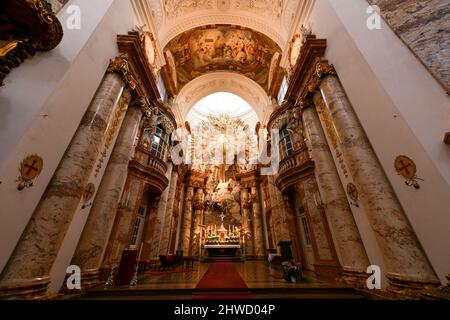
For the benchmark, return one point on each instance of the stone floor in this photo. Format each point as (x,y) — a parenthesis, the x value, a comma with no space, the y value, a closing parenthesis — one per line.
(262,280)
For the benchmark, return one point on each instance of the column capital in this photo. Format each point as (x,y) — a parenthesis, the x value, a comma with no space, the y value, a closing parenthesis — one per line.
(143,105)
(121,66)
(321,70)
(305,103)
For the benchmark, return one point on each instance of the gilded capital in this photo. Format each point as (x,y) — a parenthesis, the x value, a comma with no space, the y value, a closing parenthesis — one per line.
(121,66)
(324,69)
(313,83)
(321,70)
(305,103)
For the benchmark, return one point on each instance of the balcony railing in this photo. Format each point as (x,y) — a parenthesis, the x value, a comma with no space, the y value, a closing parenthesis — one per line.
(146,159)
(150,168)
(292,167)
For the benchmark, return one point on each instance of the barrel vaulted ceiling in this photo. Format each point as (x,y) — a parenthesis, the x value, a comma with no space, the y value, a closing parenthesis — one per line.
(198,37)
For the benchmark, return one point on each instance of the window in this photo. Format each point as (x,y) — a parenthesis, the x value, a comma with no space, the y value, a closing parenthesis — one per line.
(305,226)
(162,88)
(137,227)
(286,148)
(283,90)
(159,143)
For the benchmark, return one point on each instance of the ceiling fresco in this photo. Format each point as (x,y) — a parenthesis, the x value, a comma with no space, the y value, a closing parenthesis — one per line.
(221,47)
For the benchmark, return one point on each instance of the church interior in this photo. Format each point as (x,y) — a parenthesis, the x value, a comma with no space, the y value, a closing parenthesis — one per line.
(224,149)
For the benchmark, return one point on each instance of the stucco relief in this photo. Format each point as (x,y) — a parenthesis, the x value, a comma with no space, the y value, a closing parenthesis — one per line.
(176,8)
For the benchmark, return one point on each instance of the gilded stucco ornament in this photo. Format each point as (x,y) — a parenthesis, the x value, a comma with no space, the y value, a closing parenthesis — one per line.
(406,168)
(142,104)
(353,194)
(27,26)
(30,168)
(324,69)
(88,195)
(121,66)
(321,70)
(305,103)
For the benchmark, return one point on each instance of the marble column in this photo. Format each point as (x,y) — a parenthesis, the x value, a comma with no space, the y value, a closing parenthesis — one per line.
(148,231)
(353,255)
(326,262)
(278,216)
(169,219)
(246,204)
(258,232)
(119,238)
(160,226)
(187,220)
(264,205)
(38,247)
(178,245)
(404,256)
(89,253)
(198,221)
(291,226)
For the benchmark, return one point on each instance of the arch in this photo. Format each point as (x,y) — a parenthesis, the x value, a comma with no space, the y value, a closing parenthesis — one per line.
(223,81)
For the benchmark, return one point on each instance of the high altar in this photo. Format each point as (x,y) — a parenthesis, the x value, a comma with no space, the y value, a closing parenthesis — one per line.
(221,242)
(223,209)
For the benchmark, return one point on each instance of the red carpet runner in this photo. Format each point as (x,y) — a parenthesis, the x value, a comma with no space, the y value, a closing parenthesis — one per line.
(221,281)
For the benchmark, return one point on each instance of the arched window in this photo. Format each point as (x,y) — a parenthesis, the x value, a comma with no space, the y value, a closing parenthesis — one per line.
(283,89)
(159,143)
(286,148)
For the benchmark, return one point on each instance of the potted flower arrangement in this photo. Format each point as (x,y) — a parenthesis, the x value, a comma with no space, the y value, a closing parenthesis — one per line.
(292,272)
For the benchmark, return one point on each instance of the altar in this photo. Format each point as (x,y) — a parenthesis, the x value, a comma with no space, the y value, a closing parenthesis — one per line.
(222,250)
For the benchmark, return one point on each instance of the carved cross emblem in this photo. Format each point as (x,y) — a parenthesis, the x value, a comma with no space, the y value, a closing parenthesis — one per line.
(405,167)
(89,192)
(352,192)
(31,167)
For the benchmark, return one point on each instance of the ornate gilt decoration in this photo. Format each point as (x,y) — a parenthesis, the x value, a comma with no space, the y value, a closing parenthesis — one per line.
(331,133)
(27,26)
(305,103)
(324,69)
(321,70)
(121,66)
(353,194)
(406,168)
(88,194)
(142,104)
(29,169)
(111,132)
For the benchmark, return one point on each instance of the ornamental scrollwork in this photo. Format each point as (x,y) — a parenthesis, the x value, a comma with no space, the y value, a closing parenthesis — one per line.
(121,66)
(27,26)
(321,70)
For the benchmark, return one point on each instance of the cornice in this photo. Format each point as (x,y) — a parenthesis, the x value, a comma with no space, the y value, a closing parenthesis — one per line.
(312,50)
(132,45)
